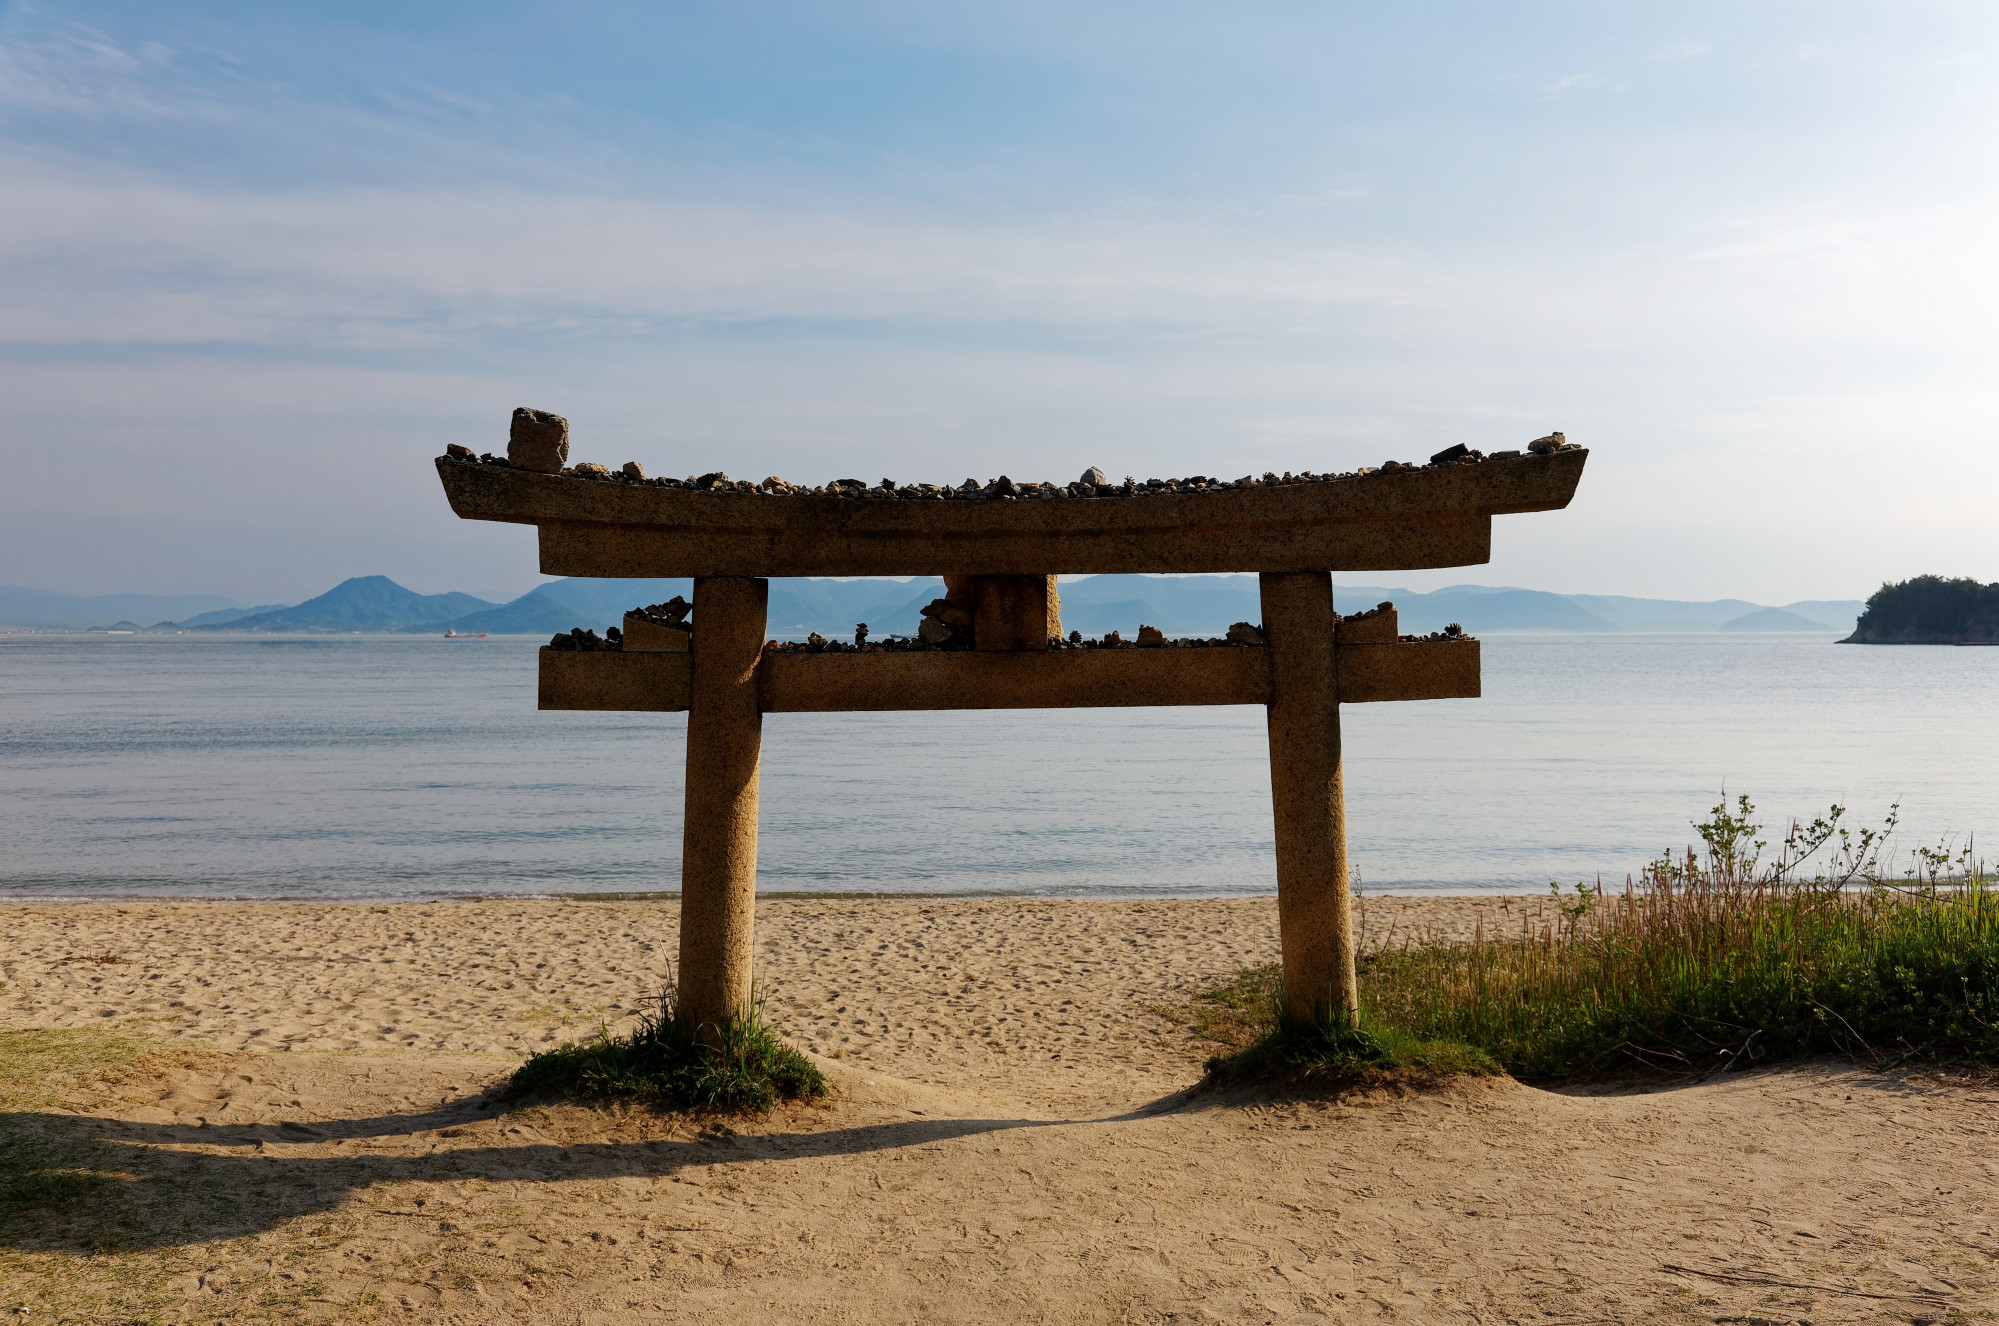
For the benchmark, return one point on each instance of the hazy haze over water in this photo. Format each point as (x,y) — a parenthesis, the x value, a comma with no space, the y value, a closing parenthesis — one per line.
(392,767)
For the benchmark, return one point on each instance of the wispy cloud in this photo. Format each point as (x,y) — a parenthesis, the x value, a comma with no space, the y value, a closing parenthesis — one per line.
(99,256)
(103,256)
(1578,83)
(83,72)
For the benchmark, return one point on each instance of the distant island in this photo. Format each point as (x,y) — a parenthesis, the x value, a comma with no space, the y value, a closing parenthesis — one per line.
(1930,610)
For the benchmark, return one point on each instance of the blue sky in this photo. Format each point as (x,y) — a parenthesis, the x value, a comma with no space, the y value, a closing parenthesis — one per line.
(259,263)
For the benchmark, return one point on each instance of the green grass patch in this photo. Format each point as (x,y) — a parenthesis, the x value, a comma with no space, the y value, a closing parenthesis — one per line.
(1717,960)
(60,1183)
(1688,980)
(1258,1043)
(42,1066)
(663,1064)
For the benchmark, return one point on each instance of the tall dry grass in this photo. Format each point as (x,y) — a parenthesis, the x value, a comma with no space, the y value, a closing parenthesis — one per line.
(1722,957)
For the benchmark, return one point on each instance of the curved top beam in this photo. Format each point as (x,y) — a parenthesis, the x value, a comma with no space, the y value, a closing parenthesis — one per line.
(1433,517)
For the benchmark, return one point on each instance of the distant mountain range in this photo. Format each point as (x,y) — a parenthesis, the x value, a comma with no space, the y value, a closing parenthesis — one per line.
(49,611)
(1178,605)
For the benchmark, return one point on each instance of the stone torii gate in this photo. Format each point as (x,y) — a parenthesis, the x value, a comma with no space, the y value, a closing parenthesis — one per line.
(1000,552)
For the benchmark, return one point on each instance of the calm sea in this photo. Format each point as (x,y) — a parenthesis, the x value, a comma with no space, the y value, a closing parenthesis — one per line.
(397,767)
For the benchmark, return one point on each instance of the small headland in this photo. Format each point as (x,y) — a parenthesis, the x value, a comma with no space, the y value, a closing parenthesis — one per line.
(1930,610)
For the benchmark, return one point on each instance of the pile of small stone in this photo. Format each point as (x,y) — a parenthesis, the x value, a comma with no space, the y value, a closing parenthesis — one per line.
(540,442)
(816,643)
(582,641)
(946,625)
(673,612)
(1149,637)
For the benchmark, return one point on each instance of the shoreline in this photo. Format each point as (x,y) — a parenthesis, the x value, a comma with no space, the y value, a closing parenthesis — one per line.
(673,896)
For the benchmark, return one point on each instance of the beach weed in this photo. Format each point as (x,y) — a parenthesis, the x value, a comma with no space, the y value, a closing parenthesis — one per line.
(1238,1013)
(1716,959)
(666,1064)
(1246,1016)
(1720,959)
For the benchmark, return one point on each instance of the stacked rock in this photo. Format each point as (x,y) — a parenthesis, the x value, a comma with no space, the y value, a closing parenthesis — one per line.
(539,442)
(660,628)
(946,625)
(673,612)
(1242,633)
(816,643)
(584,641)
(635,638)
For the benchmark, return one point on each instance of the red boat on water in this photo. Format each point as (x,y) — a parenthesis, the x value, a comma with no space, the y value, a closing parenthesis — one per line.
(460,635)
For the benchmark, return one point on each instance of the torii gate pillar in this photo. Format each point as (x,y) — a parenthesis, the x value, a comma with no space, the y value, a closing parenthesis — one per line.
(718,852)
(1314,908)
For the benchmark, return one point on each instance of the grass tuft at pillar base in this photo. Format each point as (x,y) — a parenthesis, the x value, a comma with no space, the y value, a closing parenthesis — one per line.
(1264,1045)
(664,1065)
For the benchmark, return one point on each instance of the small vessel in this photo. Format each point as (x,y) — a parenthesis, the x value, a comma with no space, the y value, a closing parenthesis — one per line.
(461,635)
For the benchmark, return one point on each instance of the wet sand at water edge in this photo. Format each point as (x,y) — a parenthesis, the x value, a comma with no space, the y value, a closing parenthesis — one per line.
(1012,1138)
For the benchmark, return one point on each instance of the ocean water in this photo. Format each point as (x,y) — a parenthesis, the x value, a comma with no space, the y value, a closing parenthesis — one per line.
(399,767)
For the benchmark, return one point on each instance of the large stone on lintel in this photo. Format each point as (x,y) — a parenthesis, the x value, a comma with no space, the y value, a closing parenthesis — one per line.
(538,441)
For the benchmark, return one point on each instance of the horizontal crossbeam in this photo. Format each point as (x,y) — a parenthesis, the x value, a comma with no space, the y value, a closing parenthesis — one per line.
(1439,516)
(1037,679)
(587,548)
(790,683)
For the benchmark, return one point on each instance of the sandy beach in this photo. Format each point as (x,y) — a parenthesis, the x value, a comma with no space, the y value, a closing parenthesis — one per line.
(1012,1138)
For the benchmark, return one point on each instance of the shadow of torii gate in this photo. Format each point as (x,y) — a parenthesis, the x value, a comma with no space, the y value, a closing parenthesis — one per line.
(1000,558)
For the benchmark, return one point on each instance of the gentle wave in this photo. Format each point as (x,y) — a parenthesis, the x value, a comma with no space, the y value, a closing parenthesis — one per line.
(390,767)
